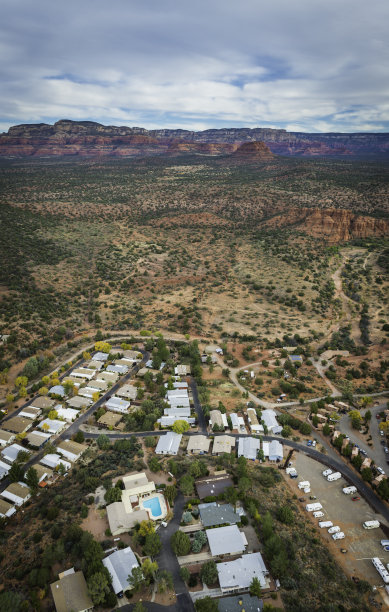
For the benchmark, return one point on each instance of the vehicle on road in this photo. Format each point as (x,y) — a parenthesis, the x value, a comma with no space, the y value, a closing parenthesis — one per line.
(343,550)
(383,442)
(363,452)
(356,498)
(386,449)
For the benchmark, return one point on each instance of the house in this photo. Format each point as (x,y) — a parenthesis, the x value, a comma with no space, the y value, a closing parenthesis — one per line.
(269,419)
(252,418)
(78,402)
(117,405)
(94,365)
(177,412)
(177,384)
(53,461)
(237,423)
(86,373)
(296,358)
(177,402)
(168,421)
(213,485)
(226,541)
(67,414)
(77,381)
(217,418)
(99,356)
(273,450)
(123,515)
(243,601)
(98,385)
(44,403)
(109,377)
(238,574)
(248,447)
(128,392)
(6,509)
(133,355)
(213,514)
(120,565)
(119,369)
(10,453)
(57,390)
(378,479)
(71,450)
(124,361)
(17,424)
(17,492)
(182,370)
(366,463)
(30,412)
(43,472)
(198,445)
(87,392)
(37,439)
(52,426)
(110,419)
(223,444)
(70,593)
(6,437)
(354,452)
(4,469)
(168,444)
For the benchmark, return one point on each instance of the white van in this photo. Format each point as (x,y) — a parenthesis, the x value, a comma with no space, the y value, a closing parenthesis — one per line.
(313,507)
(349,490)
(318,514)
(334,476)
(334,529)
(338,536)
(303,484)
(371,524)
(325,524)
(327,473)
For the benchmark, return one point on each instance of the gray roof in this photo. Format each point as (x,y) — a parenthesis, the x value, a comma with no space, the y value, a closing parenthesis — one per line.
(226,540)
(276,449)
(120,565)
(57,390)
(213,485)
(169,443)
(213,514)
(248,447)
(240,572)
(240,602)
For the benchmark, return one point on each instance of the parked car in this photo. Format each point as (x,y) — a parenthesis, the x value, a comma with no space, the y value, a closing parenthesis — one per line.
(380,470)
(382,442)
(381,432)
(301,499)
(386,449)
(363,452)
(312,497)
(343,550)
(355,498)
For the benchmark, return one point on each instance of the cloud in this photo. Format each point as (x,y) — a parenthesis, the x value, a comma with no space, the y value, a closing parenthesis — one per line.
(317,65)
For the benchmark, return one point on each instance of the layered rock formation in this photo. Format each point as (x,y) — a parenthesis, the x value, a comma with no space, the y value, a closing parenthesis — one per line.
(332,225)
(87,138)
(253,152)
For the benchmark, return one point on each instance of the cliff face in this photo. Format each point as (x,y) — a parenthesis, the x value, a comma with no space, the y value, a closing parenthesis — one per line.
(332,225)
(87,138)
(253,152)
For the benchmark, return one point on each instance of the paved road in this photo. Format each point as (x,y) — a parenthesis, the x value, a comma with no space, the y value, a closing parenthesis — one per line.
(202,423)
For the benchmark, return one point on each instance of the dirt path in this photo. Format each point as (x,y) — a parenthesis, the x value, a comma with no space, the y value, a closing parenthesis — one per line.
(349,318)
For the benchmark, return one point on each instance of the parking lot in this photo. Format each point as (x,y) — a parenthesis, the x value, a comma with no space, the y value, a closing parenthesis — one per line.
(361,544)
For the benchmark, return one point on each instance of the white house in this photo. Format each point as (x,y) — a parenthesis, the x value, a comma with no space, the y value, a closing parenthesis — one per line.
(168,444)
(120,565)
(238,574)
(86,373)
(52,426)
(53,460)
(168,421)
(6,437)
(17,492)
(57,390)
(10,453)
(237,423)
(6,509)
(128,392)
(177,412)
(273,450)
(226,541)
(99,356)
(119,369)
(4,469)
(248,447)
(252,418)
(270,420)
(30,412)
(68,414)
(71,450)
(116,404)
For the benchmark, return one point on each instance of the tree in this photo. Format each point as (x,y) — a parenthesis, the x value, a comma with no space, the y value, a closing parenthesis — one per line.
(304,429)
(22,392)
(171,494)
(79,437)
(165,581)
(154,464)
(180,427)
(98,587)
(53,414)
(114,494)
(43,391)
(356,419)
(146,527)
(136,579)
(186,484)
(208,573)
(16,472)
(285,515)
(286,431)
(103,347)
(95,396)
(21,381)
(187,517)
(86,355)
(244,484)
(10,398)
(31,478)
(149,568)
(139,607)
(255,587)
(180,543)
(185,574)
(326,429)
(103,442)
(152,546)
(206,604)
(231,496)
(22,456)
(367,474)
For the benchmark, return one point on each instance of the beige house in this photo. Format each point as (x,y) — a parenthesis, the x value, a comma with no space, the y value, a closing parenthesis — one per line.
(44,403)
(128,392)
(6,437)
(198,445)
(110,419)
(18,424)
(70,592)
(123,515)
(223,444)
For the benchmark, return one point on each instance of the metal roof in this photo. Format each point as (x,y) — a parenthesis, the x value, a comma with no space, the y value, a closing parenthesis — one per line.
(240,572)
(169,443)
(120,565)
(214,514)
(226,540)
(244,601)
(248,447)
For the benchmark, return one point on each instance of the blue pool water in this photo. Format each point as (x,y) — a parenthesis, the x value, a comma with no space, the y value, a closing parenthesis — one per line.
(154,505)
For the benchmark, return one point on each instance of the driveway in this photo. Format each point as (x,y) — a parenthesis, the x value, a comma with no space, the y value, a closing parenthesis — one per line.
(199,411)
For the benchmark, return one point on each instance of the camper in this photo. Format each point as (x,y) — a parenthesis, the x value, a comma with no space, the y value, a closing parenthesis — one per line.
(384,542)
(307,490)
(290,470)
(338,536)
(334,529)
(304,484)
(327,473)
(349,490)
(313,507)
(371,524)
(381,569)
(318,514)
(334,476)
(325,524)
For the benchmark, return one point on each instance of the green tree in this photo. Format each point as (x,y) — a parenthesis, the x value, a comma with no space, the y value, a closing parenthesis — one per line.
(21,381)
(244,484)
(171,494)
(154,464)
(139,607)
(180,543)
(208,573)
(149,568)
(146,528)
(187,484)
(152,545)
(285,515)
(326,429)
(103,442)
(180,427)
(16,472)
(255,588)
(136,579)
(98,587)
(367,474)
(114,494)
(79,437)
(206,604)
(164,581)
(31,478)
(185,574)
(231,496)
(187,517)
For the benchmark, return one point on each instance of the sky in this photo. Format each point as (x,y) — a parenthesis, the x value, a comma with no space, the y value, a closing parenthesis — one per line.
(301,65)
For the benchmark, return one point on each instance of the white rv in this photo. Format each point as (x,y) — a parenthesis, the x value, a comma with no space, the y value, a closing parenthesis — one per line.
(334,529)
(327,473)
(313,507)
(371,524)
(349,490)
(304,484)
(325,524)
(334,476)
(338,536)
(318,514)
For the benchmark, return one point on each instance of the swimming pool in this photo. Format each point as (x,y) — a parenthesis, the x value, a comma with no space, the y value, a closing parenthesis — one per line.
(154,505)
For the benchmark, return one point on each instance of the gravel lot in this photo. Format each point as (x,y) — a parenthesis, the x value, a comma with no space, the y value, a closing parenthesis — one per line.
(361,544)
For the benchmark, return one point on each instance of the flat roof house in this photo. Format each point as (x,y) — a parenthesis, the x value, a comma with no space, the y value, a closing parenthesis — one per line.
(87,392)
(237,423)
(213,485)
(216,418)
(68,414)
(70,593)
(269,418)
(6,509)
(17,424)
(52,426)
(57,390)
(4,469)
(215,514)
(123,515)
(168,421)
(273,450)
(37,439)
(17,492)
(93,364)
(110,419)
(42,402)
(127,392)
(248,447)
(98,385)
(226,541)
(6,437)
(43,472)
(30,412)
(109,377)
(222,444)
(119,369)
(168,444)
(53,460)
(10,453)
(237,575)
(198,445)
(252,418)
(244,601)
(78,402)
(86,373)
(99,356)
(71,450)
(177,412)
(177,402)
(182,370)
(120,565)
(117,405)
